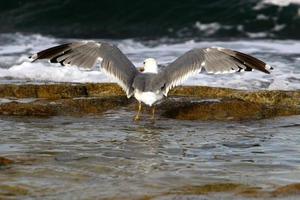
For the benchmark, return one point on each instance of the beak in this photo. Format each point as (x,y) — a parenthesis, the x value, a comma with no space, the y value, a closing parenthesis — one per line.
(141,69)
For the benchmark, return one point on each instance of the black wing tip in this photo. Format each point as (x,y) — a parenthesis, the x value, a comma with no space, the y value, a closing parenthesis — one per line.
(33,57)
(48,53)
(252,62)
(248,61)
(249,69)
(268,68)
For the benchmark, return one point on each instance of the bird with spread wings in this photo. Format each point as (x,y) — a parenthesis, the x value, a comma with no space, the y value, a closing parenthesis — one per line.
(151,85)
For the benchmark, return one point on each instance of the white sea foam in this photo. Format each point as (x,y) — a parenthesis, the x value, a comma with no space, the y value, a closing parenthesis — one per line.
(258,34)
(282,55)
(209,28)
(281,2)
(41,72)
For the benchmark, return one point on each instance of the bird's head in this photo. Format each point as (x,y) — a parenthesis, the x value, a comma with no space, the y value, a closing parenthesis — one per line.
(150,66)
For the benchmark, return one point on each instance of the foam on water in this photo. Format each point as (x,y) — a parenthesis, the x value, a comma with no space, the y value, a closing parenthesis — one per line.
(281,2)
(282,55)
(41,72)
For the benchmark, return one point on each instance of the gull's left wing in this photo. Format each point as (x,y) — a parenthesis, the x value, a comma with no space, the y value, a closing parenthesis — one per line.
(212,60)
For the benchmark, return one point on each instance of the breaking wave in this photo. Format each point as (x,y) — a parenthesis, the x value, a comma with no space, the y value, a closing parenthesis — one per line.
(149,19)
(283,55)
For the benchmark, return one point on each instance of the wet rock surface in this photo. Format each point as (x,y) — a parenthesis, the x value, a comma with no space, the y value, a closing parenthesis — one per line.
(186,103)
(224,109)
(239,191)
(72,106)
(5,161)
(60,91)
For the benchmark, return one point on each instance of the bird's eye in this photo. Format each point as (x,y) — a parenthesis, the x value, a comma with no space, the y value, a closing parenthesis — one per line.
(144,62)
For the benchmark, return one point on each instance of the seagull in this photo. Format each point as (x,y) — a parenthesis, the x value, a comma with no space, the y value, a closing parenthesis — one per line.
(149,85)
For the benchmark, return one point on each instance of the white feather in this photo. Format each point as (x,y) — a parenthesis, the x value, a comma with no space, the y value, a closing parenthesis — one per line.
(150,66)
(118,80)
(180,80)
(149,98)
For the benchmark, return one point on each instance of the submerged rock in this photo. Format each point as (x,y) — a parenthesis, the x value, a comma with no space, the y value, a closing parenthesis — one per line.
(234,190)
(209,188)
(288,190)
(11,191)
(186,102)
(5,161)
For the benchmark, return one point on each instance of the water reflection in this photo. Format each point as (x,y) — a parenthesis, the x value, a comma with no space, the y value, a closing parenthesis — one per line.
(61,157)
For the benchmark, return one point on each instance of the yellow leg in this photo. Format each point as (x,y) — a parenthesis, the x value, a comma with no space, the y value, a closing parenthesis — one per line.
(153,113)
(137,117)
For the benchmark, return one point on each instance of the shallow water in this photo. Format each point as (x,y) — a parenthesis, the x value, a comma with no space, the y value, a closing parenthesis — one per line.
(110,156)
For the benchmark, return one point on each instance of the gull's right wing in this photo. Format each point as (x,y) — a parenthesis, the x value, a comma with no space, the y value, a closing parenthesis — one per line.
(87,53)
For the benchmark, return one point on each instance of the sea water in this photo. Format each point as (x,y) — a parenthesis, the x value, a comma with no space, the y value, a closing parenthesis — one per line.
(109,156)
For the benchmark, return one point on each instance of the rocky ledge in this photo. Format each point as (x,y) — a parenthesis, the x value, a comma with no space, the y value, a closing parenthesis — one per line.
(186,102)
